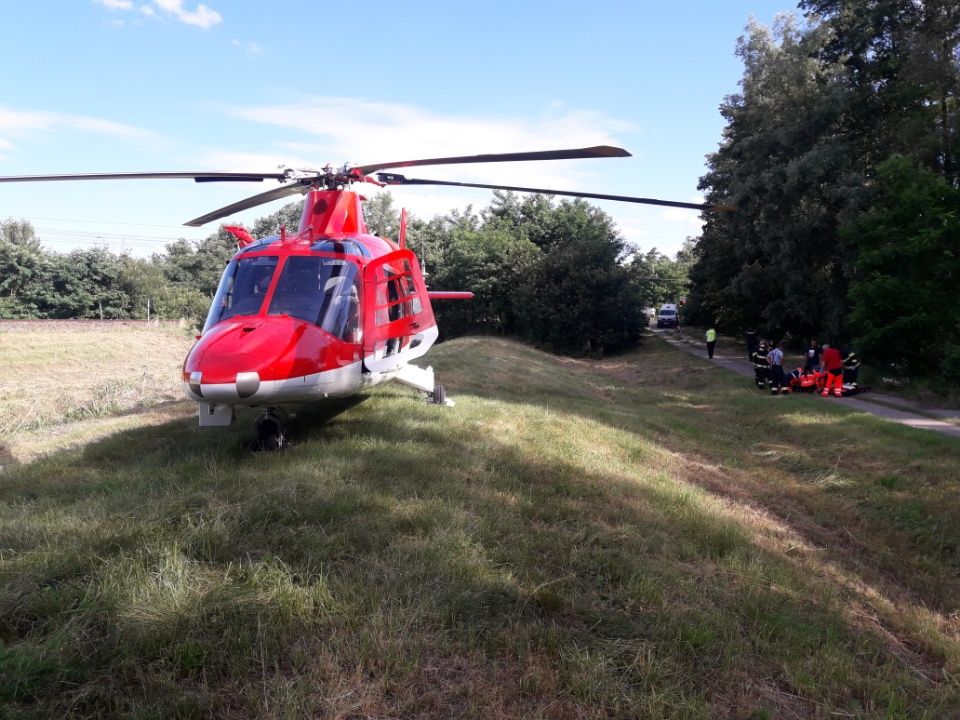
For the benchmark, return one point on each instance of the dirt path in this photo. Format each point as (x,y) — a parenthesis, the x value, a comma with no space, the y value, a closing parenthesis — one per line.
(892,408)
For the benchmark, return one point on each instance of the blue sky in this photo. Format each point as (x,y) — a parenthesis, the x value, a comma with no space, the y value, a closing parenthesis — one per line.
(138,85)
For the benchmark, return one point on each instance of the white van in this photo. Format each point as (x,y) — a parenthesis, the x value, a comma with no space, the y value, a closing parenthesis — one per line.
(668,316)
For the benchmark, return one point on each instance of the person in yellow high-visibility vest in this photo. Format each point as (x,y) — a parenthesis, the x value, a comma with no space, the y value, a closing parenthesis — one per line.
(711,341)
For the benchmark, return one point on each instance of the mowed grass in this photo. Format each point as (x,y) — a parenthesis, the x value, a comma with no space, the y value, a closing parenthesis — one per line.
(640,537)
(58,373)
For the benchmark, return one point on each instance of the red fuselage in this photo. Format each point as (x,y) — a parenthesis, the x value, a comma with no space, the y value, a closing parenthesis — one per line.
(316,314)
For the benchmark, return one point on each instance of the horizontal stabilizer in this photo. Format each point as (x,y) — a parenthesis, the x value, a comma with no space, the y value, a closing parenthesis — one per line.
(441,295)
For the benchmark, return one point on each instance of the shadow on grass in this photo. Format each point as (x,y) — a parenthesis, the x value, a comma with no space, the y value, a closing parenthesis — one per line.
(171,567)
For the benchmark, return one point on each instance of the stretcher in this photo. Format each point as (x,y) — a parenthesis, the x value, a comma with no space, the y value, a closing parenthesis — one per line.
(815,381)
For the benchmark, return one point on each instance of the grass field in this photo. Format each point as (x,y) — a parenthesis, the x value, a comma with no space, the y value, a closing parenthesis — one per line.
(643,537)
(71,372)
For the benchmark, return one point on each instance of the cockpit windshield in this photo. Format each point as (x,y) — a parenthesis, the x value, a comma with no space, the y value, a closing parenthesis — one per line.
(321,290)
(243,288)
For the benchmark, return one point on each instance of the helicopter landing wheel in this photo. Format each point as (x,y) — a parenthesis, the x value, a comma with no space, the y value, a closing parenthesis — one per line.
(438,396)
(271,426)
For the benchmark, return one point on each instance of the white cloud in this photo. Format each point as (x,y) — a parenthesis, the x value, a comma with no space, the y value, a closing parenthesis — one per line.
(21,123)
(325,130)
(250,47)
(680,214)
(203,17)
(691,218)
(116,4)
(360,132)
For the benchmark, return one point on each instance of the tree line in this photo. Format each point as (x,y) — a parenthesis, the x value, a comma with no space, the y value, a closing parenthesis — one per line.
(558,275)
(842,154)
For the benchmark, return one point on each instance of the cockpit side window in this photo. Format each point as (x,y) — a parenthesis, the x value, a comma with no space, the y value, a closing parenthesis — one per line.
(242,289)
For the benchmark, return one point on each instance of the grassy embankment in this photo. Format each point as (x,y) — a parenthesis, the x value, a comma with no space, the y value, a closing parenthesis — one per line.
(643,537)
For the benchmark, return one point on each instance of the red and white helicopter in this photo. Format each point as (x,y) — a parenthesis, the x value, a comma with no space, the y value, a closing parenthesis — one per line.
(330,309)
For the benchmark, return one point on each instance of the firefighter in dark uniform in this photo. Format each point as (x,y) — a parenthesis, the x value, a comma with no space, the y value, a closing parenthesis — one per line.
(851,368)
(752,343)
(761,368)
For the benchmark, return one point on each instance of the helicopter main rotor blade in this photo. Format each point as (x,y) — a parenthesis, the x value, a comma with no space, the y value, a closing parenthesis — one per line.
(600,151)
(392,179)
(189,175)
(250,202)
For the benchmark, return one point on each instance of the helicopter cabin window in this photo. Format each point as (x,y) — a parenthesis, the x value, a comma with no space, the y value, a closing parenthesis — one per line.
(340,247)
(242,289)
(259,245)
(396,294)
(323,291)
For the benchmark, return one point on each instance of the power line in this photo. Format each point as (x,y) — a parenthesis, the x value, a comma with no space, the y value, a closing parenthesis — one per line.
(123,241)
(76,236)
(181,228)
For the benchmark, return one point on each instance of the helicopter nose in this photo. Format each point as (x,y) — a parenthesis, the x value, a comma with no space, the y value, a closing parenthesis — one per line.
(258,361)
(210,382)
(246,386)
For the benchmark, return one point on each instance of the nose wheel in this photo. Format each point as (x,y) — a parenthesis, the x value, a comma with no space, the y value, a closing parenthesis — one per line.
(271,428)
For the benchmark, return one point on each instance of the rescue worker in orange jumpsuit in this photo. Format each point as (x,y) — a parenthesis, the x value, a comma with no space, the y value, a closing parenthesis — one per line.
(832,362)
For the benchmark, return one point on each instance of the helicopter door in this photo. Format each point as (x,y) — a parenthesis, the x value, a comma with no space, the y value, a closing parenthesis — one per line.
(397,318)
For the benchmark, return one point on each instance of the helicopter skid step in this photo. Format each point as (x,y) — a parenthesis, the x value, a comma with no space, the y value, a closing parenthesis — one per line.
(421,379)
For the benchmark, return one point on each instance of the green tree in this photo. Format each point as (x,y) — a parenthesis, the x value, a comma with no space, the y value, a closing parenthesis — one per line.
(381,217)
(553,275)
(144,284)
(147,286)
(21,264)
(580,297)
(199,265)
(659,279)
(903,76)
(20,233)
(288,216)
(81,284)
(490,262)
(531,216)
(779,262)
(906,306)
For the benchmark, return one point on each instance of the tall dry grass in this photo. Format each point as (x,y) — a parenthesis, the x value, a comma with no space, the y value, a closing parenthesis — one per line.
(59,372)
